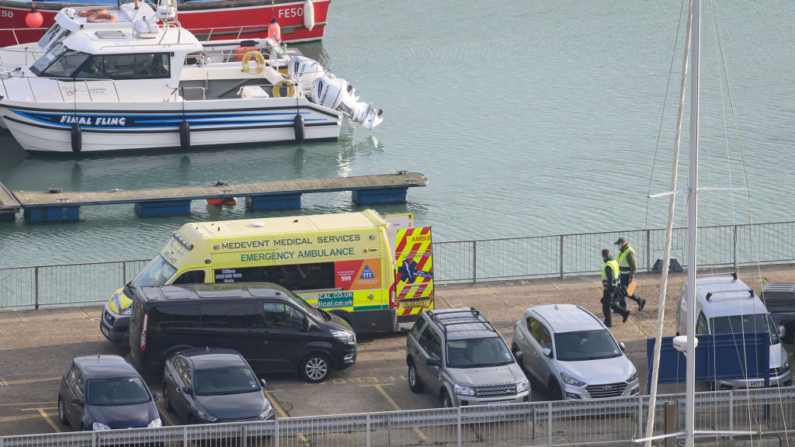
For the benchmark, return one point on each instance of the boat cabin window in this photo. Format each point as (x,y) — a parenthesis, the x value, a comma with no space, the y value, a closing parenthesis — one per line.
(53,35)
(59,62)
(126,66)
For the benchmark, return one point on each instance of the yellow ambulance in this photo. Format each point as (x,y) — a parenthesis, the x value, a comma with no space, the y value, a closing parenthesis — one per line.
(373,271)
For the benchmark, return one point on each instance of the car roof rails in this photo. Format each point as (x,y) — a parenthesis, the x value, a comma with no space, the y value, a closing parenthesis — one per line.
(750,292)
(472,317)
(733,274)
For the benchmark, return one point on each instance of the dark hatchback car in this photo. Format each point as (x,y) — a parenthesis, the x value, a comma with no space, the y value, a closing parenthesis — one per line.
(214,385)
(105,392)
(272,328)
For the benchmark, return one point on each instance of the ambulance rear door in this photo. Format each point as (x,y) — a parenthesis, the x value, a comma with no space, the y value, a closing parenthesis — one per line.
(413,272)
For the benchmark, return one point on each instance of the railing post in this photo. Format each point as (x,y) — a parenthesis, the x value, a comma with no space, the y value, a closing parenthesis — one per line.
(736,269)
(94,439)
(185,436)
(368,429)
(670,422)
(388,431)
(535,422)
(474,262)
(731,405)
(458,427)
(640,416)
(36,284)
(276,433)
(648,251)
(245,437)
(124,272)
(561,256)
(549,420)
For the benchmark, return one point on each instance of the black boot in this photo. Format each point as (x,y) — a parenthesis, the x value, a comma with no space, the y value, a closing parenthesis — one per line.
(641,305)
(626,315)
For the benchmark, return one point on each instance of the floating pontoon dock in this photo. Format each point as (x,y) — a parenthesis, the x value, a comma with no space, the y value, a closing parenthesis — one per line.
(56,205)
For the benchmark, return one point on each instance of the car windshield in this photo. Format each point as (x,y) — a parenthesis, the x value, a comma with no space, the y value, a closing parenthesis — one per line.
(118,391)
(156,273)
(225,380)
(745,323)
(477,352)
(56,51)
(308,308)
(586,345)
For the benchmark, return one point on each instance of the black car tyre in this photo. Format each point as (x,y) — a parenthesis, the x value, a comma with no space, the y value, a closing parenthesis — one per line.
(414,382)
(62,412)
(167,399)
(315,368)
(514,350)
(446,401)
(554,391)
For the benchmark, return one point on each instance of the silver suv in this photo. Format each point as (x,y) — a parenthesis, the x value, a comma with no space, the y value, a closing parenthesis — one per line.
(463,360)
(571,352)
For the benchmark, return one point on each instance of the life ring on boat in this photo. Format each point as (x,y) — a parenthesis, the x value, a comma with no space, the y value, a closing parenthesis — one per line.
(260,61)
(91,12)
(222,201)
(101,17)
(284,89)
(241,51)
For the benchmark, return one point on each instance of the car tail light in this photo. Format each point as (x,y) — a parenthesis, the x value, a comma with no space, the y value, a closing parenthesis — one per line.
(143,332)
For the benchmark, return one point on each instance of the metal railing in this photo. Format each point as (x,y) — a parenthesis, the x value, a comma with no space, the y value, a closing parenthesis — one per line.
(762,412)
(562,255)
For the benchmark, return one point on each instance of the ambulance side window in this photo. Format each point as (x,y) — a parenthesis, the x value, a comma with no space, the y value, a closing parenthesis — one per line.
(291,277)
(193,277)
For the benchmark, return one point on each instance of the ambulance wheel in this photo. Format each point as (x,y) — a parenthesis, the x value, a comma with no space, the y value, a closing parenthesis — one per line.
(414,381)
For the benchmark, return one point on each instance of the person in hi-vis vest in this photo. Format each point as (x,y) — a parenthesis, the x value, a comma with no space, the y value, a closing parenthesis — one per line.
(611,298)
(628,265)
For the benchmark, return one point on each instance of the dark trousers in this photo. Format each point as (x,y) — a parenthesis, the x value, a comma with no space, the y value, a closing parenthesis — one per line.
(611,302)
(624,284)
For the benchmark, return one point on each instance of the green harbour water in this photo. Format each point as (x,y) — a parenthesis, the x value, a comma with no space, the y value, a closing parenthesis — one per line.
(528,118)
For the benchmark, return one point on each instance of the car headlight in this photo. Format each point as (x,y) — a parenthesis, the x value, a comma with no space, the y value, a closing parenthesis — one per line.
(633,377)
(157,423)
(206,417)
(521,387)
(267,412)
(571,380)
(464,390)
(345,337)
(784,368)
(98,426)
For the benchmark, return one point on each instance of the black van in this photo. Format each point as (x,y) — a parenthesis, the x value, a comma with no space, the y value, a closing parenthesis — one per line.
(273,328)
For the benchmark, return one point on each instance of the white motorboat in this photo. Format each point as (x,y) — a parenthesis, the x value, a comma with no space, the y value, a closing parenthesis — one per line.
(140,81)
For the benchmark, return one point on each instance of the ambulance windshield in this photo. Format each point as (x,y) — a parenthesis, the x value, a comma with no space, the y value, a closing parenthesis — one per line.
(156,273)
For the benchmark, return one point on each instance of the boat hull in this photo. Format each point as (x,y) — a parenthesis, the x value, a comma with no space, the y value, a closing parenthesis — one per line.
(212,20)
(103,129)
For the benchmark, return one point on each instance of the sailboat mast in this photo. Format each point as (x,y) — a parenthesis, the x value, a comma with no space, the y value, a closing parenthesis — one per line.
(692,226)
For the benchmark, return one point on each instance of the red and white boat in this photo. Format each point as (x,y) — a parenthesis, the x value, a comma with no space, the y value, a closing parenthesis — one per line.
(300,21)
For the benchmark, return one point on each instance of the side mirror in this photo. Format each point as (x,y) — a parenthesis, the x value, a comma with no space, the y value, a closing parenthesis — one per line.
(518,355)
(782,331)
(157,396)
(622,346)
(433,362)
(186,389)
(306,325)
(77,402)
(262,381)
(548,353)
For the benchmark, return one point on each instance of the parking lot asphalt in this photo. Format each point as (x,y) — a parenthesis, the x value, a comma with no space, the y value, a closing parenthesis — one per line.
(37,346)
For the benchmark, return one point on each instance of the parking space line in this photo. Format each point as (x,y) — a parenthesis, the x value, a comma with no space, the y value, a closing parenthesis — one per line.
(274,403)
(163,412)
(2,382)
(39,408)
(49,421)
(391,401)
(25,381)
(23,404)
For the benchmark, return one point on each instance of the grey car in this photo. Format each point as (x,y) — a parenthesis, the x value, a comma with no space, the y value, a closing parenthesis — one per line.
(570,352)
(458,356)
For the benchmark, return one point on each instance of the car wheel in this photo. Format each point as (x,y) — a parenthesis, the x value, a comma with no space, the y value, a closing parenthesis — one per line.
(414,382)
(554,391)
(315,368)
(167,398)
(446,401)
(62,412)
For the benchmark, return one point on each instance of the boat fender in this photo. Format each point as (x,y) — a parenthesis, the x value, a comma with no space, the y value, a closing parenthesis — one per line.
(184,135)
(309,15)
(77,138)
(298,124)
(260,61)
